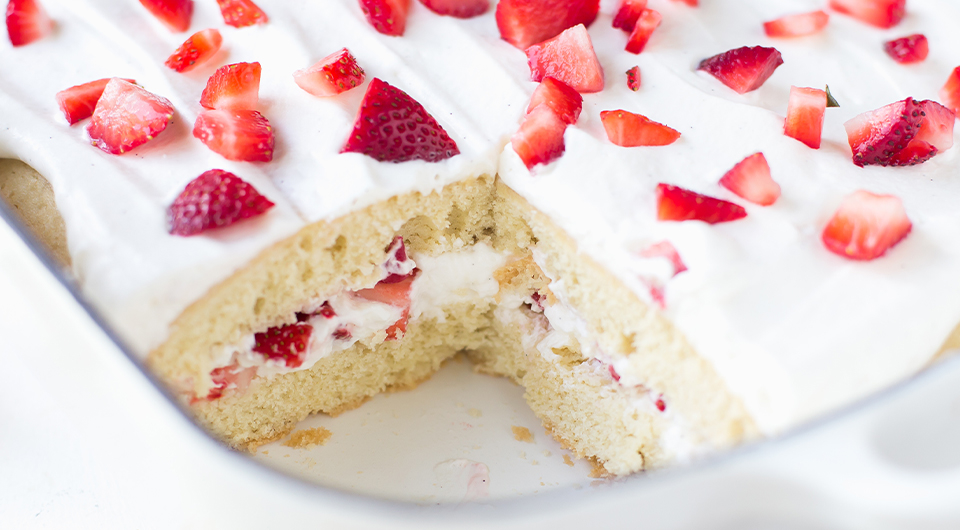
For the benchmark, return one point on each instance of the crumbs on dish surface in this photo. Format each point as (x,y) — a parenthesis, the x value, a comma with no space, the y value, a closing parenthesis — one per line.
(308,438)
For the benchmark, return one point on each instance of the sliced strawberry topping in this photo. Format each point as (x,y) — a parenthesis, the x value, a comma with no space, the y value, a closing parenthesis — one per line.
(243,135)
(127,116)
(906,50)
(563,100)
(386,16)
(866,226)
(540,137)
(287,343)
(458,8)
(665,249)
(916,152)
(880,13)
(797,25)
(649,20)
(633,78)
(234,87)
(332,75)
(678,204)
(396,294)
(27,22)
(175,14)
(196,50)
(627,129)
(78,102)
(751,180)
(805,113)
(241,13)
(392,127)
(524,23)
(950,93)
(743,69)
(877,136)
(628,14)
(568,57)
(215,199)
(937,126)
(233,377)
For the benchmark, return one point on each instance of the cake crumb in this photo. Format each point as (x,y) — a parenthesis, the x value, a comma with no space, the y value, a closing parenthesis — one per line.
(308,438)
(476,413)
(265,452)
(547,454)
(598,470)
(567,461)
(522,434)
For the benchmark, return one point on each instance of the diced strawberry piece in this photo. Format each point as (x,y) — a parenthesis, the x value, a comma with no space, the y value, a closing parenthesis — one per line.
(396,294)
(458,8)
(678,204)
(613,372)
(659,403)
(127,116)
(241,13)
(287,343)
(916,152)
(877,136)
(233,87)
(326,311)
(568,57)
(27,22)
(751,180)
(332,75)
(397,264)
(880,13)
(628,14)
(540,137)
(950,93)
(196,50)
(524,23)
(627,129)
(175,14)
(78,102)
(649,20)
(866,225)
(563,100)
(691,3)
(215,199)
(243,135)
(797,25)
(665,249)
(633,78)
(392,127)
(386,16)
(937,126)
(805,113)
(743,69)
(233,377)
(906,50)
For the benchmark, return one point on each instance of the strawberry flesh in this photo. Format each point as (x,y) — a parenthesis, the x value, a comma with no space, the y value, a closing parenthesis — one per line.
(880,13)
(916,152)
(241,13)
(196,50)
(396,294)
(906,50)
(937,126)
(797,25)
(691,3)
(805,113)
(633,78)
(743,69)
(78,102)
(627,129)
(233,87)
(665,249)
(540,137)
(215,199)
(242,135)
(127,116)
(233,377)
(677,204)
(568,57)
(175,14)
(648,21)
(332,75)
(950,93)
(458,8)
(27,22)
(386,16)
(524,23)
(629,12)
(751,180)
(877,136)
(563,100)
(866,226)
(287,344)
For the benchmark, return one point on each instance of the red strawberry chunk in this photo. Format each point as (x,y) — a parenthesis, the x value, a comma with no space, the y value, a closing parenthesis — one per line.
(633,78)
(937,126)
(916,152)
(233,377)
(27,22)
(241,13)
(392,127)
(880,13)
(665,249)
(627,129)
(127,116)
(678,204)
(751,180)
(797,25)
(691,3)
(540,137)
(524,23)
(649,21)
(906,50)
(234,87)
(877,136)
(458,8)
(866,225)
(743,69)
(805,113)
(950,93)
(332,75)
(396,264)
(628,14)
(175,14)
(396,294)
(196,50)
(563,100)
(78,102)
(215,199)
(386,16)
(287,343)
(568,57)
(243,135)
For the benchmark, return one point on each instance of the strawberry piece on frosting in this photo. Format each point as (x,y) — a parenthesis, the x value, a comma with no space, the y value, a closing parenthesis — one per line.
(215,199)
(524,23)
(798,25)
(127,116)
(866,226)
(743,69)
(568,57)
(876,137)
(751,179)
(78,102)
(332,75)
(880,13)
(388,17)
(27,22)
(175,14)
(907,50)
(627,129)
(540,137)
(458,8)
(241,135)
(241,13)
(233,87)
(805,112)
(950,93)
(629,12)
(563,100)
(677,204)
(196,50)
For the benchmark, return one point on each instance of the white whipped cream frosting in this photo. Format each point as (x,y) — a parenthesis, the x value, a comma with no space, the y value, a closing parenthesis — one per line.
(793,329)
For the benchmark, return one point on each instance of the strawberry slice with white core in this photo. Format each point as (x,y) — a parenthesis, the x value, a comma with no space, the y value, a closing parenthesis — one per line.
(242,135)
(805,113)
(633,78)
(540,137)
(287,344)
(332,75)
(649,21)
(388,17)
(797,25)
(524,23)
(396,294)
(196,50)
(175,14)
(234,87)
(568,57)
(78,102)
(563,100)
(906,50)
(751,180)
(866,226)
(241,13)
(743,69)
(629,12)
(627,129)
(878,135)
(127,116)
(27,22)
(950,93)
(677,204)
(458,8)
(665,249)
(937,126)
(880,13)
(215,199)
